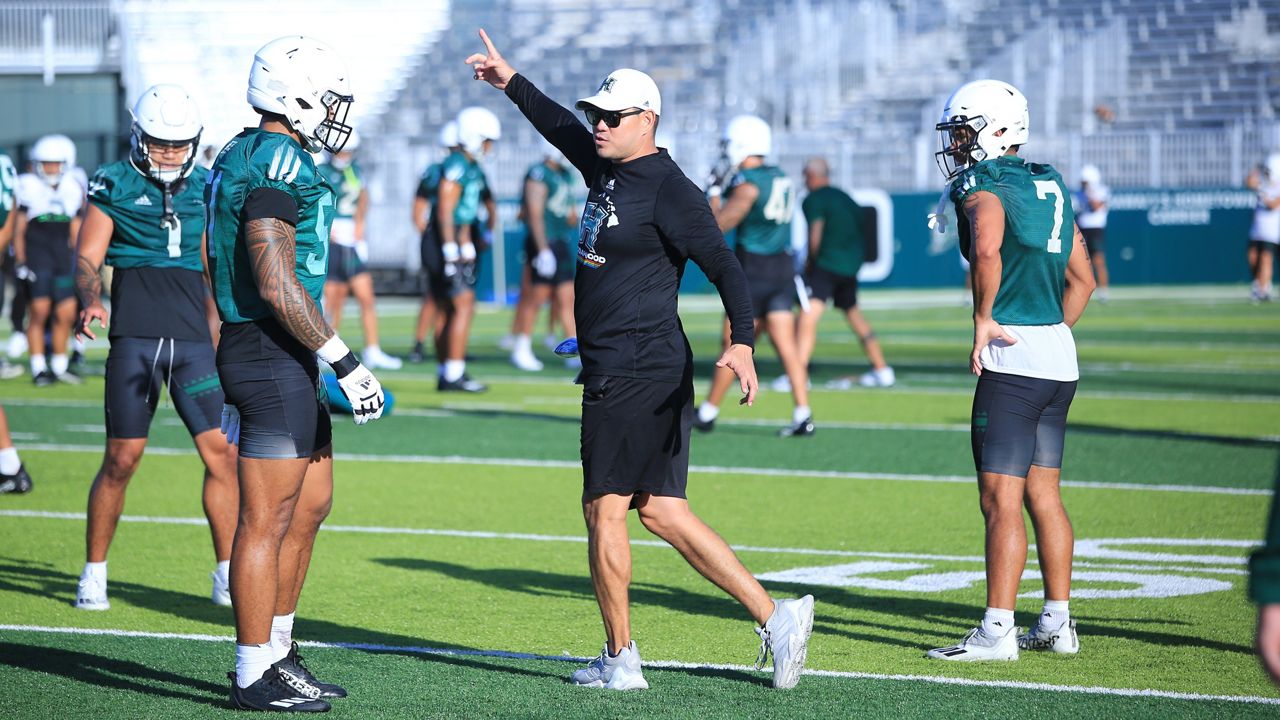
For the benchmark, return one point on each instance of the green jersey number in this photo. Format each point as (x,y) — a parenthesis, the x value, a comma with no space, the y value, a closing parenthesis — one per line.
(1045,188)
(781,203)
(175,238)
(8,181)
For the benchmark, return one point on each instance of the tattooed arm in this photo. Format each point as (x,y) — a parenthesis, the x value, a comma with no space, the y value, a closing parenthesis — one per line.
(91,250)
(273,254)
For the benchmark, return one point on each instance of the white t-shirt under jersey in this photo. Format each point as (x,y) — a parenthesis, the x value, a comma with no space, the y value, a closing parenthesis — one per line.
(1266,223)
(1086,217)
(1047,352)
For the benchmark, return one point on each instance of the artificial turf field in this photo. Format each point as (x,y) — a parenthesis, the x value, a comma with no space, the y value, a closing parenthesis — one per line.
(451,580)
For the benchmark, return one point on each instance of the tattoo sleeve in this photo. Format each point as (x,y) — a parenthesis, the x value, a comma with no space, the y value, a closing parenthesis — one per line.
(272,252)
(88,281)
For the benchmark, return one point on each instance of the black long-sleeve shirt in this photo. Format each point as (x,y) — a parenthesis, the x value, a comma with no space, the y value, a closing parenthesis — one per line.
(643,220)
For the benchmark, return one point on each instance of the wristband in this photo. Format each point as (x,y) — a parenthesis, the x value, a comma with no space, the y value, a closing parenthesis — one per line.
(339,356)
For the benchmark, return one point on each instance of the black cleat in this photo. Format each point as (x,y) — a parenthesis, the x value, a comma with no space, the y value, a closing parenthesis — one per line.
(801,429)
(418,354)
(463,384)
(18,483)
(292,664)
(45,379)
(700,426)
(278,691)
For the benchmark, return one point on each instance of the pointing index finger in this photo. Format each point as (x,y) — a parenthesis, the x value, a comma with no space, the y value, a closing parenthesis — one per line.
(488,44)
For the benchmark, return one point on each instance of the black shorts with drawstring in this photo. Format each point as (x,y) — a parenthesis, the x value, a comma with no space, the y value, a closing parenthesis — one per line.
(138,369)
(635,435)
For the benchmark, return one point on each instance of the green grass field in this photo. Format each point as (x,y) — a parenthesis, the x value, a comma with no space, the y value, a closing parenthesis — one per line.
(451,579)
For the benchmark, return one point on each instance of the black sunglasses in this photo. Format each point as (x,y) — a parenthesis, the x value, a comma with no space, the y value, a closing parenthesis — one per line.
(612,118)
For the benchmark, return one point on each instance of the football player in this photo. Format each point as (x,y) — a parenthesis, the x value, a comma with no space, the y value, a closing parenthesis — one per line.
(8,221)
(146,219)
(1264,233)
(49,202)
(348,253)
(1031,282)
(423,201)
(551,218)
(269,215)
(758,201)
(1090,205)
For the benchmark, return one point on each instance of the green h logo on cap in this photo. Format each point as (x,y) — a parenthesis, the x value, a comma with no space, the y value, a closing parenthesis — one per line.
(607,85)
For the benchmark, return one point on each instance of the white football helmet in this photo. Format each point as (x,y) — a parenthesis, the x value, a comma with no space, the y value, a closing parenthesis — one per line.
(1091,174)
(1272,166)
(53,149)
(552,153)
(449,135)
(745,136)
(164,115)
(306,82)
(971,119)
(475,125)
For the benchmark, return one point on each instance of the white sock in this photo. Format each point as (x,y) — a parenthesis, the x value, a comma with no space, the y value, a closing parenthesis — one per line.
(521,344)
(802,412)
(9,462)
(58,363)
(708,412)
(453,370)
(98,570)
(38,364)
(1055,613)
(281,636)
(224,570)
(997,622)
(251,662)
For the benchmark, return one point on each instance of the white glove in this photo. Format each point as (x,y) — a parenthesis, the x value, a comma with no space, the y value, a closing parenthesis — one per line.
(545,263)
(468,253)
(361,388)
(451,257)
(22,272)
(231,423)
(362,251)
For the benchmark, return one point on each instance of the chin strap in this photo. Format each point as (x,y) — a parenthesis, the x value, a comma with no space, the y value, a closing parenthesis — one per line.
(938,218)
(169,219)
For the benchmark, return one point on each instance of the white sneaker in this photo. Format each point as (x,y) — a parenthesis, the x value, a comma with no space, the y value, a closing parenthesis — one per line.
(614,673)
(978,645)
(1062,639)
(9,371)
(526,361)
(843,383)
(17,346)
(507,343)
(376,359)
(782,383)
(786,637)
(884,377)
(221,590)
(92,594)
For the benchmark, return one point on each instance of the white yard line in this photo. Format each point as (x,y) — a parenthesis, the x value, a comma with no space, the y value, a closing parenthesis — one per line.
(702,469)
(669,664)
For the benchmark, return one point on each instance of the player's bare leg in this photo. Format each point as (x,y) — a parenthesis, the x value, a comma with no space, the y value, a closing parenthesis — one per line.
(1001,498)
(335,297)
(807,330)
(562,308)
(64,318)
(314,503)
(1055,539)
(460,325)
(221,495)
(609,555)
(1099,260)
(37,317)
(106,495)
(870,343)
(781,327)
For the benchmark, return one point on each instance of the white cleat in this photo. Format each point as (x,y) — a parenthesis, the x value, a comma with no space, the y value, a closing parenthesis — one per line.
(1062,639)
(526,361)
(786,637)
(17,346)
(221,590)
(92,594)
(613,673)
(375,359)
(884,377)
(978,645)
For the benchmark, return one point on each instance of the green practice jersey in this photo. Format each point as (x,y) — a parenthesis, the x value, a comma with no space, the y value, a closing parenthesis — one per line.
(841,250)
(259,159)
(346,183)
(560,211)
(1039,229)
(135,205)
(430,182)
(766,230)
(467,173)
(8,186)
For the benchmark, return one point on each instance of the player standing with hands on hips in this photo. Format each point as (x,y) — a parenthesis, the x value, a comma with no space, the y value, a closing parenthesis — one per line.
(643,220)
(269,213)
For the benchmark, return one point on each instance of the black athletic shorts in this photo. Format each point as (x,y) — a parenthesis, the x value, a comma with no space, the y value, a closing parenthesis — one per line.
(824,285)
(1263,246)
(56,284)
(1018,422)
(274,381)
(565,260)
(443,288)
(635,436)
(1095,240)
(137,371)
(772,280)
(344,263)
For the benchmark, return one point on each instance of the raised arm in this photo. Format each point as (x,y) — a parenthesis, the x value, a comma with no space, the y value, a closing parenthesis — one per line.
(730,214)
(91,251)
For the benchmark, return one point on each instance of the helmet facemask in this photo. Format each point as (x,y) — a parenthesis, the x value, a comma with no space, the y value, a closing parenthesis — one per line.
(960,145)
(333,132)
(140,156)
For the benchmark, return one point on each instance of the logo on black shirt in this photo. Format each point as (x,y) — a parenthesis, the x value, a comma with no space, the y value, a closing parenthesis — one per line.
(593,218)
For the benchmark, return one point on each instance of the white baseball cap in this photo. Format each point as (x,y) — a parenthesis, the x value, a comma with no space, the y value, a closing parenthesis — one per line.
(625,88)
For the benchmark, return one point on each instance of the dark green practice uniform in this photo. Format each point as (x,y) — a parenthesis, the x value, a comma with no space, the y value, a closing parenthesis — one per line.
(50,212)
(558,222)
(270,376)
(1021,402)
(345,255)
(158,327)
(443,280)
(763,239)
(833,273)
(8,186)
